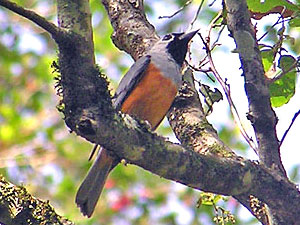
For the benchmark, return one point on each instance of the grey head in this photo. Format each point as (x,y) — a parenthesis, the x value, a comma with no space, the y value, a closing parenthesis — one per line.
(176,45)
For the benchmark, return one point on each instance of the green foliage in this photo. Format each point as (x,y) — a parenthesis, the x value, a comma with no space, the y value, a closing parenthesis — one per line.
(268,5)
(208,199)
(282,77)
(267,59)
(283,89)
(210,96)
(222,216)
(295,22)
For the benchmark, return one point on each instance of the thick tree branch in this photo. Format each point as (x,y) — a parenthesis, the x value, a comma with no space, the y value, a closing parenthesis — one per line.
(260,114)
(75,18)
(34,17)
(132,31)
(208,173)
(189,123)
(17,206)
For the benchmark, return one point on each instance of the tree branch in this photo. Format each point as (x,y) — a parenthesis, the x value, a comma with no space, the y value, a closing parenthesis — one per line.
(188,121)
(75,18)
(18,206)
(260,114)
(132,31)
(34,17)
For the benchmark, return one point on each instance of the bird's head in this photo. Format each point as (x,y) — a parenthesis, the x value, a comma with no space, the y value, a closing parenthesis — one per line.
(176,44)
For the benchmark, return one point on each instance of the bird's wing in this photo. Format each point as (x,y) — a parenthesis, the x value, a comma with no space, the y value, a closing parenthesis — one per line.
(130,80)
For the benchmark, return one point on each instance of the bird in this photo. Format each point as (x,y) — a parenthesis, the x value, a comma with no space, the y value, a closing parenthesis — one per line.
(145,92)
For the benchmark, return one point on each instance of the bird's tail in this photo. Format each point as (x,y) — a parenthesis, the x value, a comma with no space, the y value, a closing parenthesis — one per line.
(89,191)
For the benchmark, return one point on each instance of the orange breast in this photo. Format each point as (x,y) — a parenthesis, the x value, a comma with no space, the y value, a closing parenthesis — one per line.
(151,98)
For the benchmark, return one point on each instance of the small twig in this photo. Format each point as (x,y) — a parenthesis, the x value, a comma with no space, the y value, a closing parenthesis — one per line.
(201,70)
(34,17)
(279,21)
(211,4)
(282,73)
(218,38)
(212,25)
(224,85)
(286,132)
(178,11)
(197,14)
(226,89)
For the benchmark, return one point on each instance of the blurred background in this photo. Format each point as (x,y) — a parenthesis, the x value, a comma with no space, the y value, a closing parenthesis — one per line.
(37,150)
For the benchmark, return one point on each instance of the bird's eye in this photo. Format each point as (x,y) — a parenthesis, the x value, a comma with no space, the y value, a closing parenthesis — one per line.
(167,37)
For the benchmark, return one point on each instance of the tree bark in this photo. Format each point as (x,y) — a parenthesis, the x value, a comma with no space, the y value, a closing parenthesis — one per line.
(261,114)
(17,206)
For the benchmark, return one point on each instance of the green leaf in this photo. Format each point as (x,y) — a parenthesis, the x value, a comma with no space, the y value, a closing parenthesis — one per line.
(209,198)
(283,89)
(269,5)
(286,62)
(260,8)
(267,59)
(295,22)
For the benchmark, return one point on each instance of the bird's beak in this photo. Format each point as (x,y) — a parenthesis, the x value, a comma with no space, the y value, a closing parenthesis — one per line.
(188,36)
